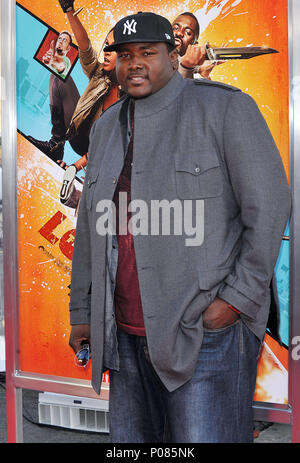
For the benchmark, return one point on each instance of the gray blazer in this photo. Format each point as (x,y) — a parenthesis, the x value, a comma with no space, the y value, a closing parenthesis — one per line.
(194,140)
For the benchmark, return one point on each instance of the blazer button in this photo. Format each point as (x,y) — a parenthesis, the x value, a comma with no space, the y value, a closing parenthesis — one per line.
(114,180)
(197,170)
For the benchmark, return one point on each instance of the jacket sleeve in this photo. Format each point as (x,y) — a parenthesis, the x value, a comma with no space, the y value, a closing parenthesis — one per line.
(89,61)
(261,190)
(81,277)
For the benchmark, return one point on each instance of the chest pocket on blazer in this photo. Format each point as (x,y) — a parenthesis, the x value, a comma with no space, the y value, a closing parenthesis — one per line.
(90,187)
(198,175)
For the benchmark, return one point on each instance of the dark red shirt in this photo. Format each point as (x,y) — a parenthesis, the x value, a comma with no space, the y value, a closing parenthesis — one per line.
(128,304)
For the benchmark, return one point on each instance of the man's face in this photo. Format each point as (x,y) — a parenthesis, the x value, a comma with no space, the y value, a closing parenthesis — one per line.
(144,68)
(184,28)
(63,44)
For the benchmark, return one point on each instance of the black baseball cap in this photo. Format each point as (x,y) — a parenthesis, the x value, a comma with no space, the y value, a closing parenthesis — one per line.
(142,27)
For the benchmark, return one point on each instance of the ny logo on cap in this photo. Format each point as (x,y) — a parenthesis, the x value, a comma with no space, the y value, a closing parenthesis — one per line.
(129,27)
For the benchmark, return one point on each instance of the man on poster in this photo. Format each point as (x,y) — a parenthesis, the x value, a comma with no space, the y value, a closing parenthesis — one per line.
(178,324)
(63,96)
(192,55)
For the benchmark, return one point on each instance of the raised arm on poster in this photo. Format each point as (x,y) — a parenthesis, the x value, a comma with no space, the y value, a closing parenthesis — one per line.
(78,30)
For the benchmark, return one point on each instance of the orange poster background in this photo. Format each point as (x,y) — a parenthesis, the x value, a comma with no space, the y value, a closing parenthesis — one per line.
(43,278)
(44,269)
(233,22)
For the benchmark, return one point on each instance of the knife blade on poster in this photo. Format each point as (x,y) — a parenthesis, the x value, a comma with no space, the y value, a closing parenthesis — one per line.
(220,54)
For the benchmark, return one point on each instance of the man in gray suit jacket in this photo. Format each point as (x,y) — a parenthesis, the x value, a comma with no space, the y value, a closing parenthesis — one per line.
(183,208)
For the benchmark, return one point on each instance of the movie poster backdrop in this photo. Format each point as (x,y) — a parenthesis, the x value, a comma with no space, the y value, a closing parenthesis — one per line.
(46,227)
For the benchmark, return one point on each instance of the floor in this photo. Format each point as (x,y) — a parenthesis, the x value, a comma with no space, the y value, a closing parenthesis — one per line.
(33,432)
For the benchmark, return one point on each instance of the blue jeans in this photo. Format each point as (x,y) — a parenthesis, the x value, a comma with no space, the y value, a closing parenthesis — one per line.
(214,406)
